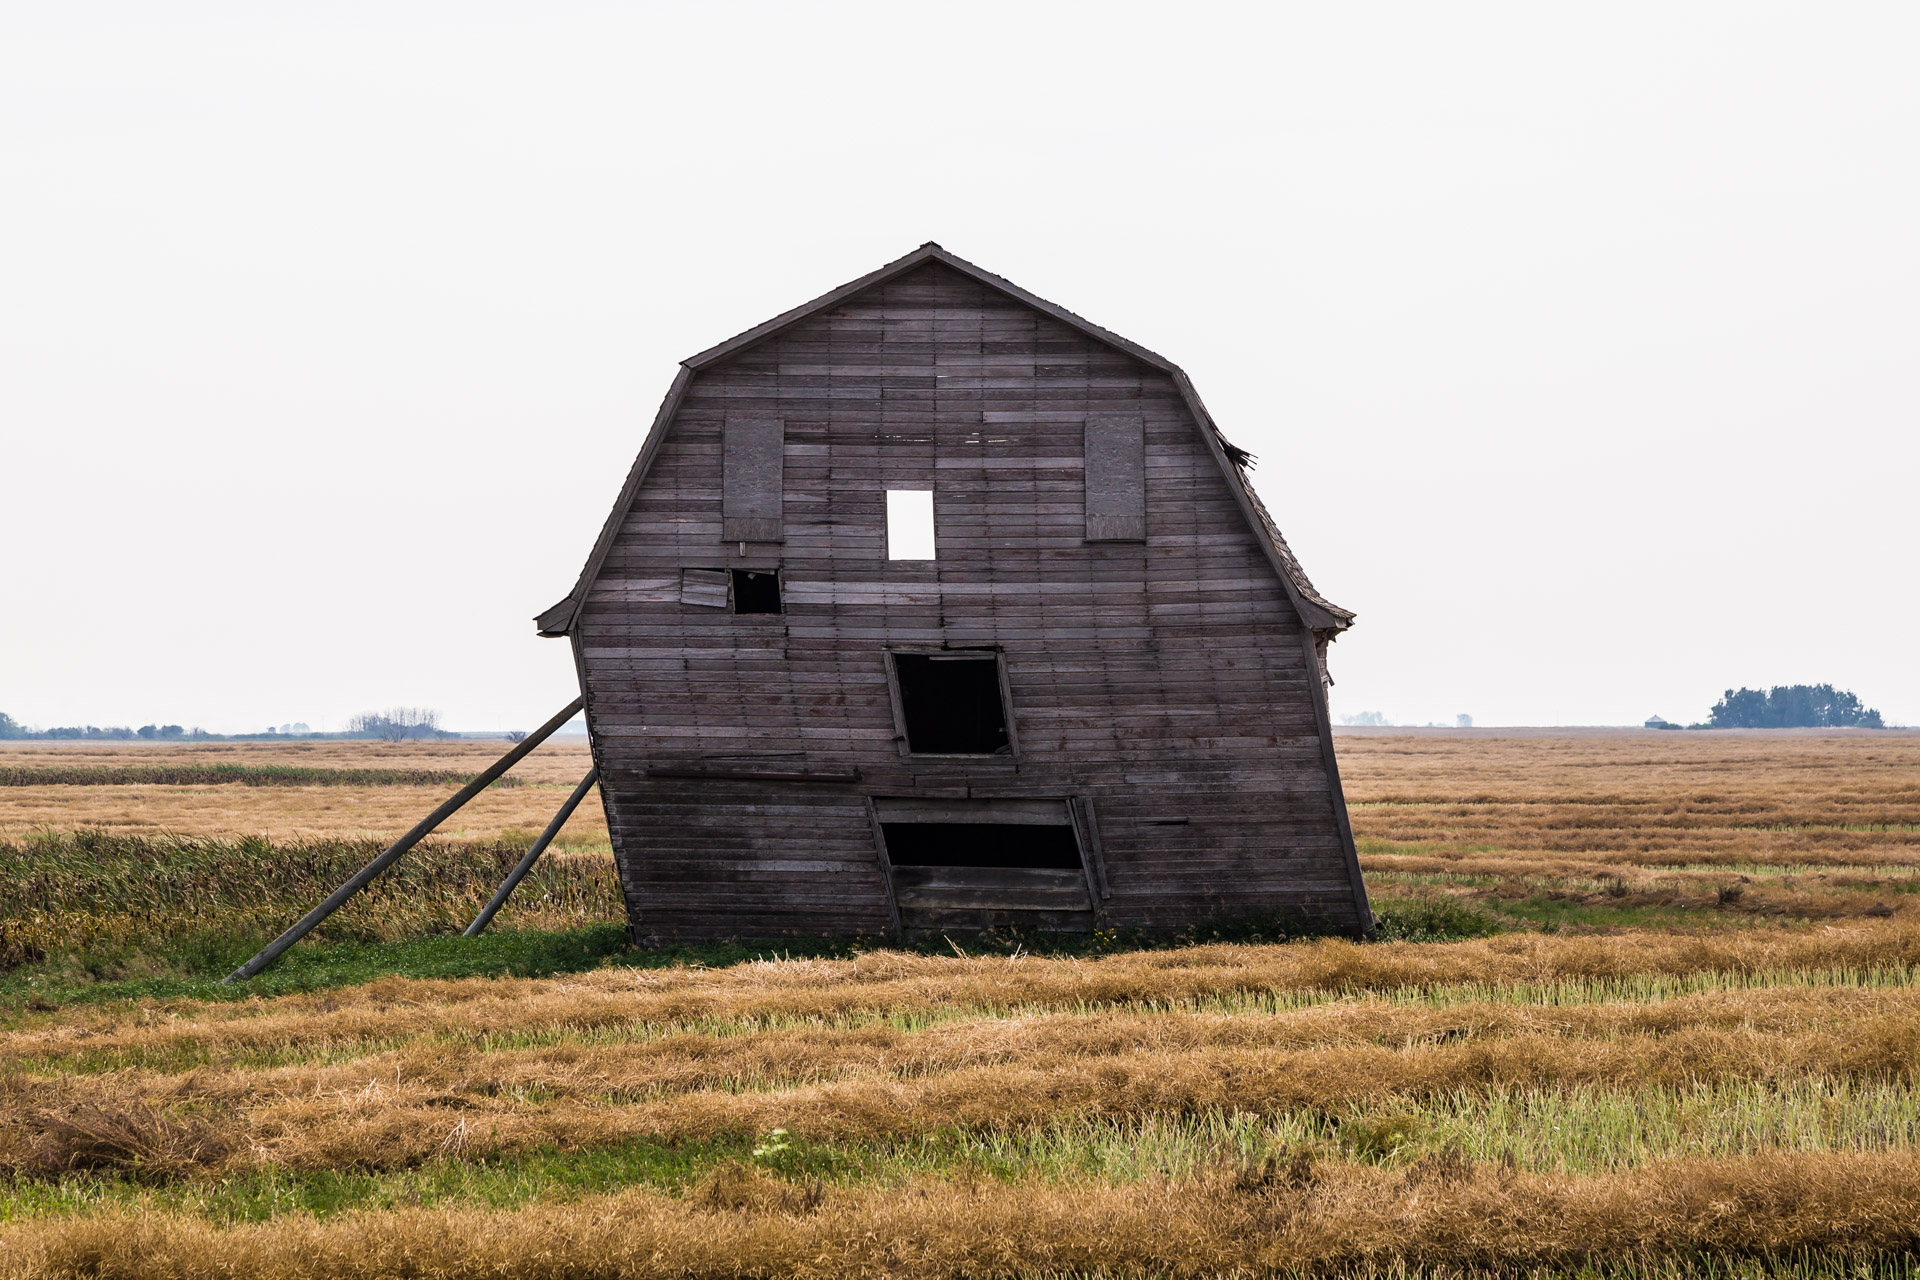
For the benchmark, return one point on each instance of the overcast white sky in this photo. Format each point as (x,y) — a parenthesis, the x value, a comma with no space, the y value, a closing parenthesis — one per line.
(1578,343)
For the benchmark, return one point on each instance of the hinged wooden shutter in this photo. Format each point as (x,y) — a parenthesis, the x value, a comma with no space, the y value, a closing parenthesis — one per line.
(753,480)
(1116,459)
(706,587)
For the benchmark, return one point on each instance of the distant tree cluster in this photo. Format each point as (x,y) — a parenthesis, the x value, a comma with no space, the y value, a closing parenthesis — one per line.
(1378,720)
(1794,706)
(397,724)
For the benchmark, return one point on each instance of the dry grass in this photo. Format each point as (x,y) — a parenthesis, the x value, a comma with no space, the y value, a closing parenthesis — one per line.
(245,775)
(558,761)
(132,902)
(892,985)
(292,813)
(1733,825)
(395,1108)
(134,1138)
(1234,1221)
(296,812)
(1703,1038)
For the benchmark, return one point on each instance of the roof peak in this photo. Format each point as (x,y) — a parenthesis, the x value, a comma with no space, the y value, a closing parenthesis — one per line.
(931,251)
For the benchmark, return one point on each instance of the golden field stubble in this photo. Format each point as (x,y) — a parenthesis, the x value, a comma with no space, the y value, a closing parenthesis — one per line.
(1238,1222)
(889,984)
(397,1108)
(892,1046)
(291,813)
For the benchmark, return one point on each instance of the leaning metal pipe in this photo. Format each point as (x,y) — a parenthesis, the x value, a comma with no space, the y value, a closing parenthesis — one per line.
(525,865)
(366,874)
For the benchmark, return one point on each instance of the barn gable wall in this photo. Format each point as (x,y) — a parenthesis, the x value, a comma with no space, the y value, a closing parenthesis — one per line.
(1163,680)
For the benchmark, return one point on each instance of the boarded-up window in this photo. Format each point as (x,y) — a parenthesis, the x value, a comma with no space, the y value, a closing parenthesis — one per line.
(753,481)
(707,587)
(1116,478)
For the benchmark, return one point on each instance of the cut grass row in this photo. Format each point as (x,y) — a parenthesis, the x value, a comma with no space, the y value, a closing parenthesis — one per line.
(718,988)
(403,1106)
(1575,1132)
(406,1109)
(1301,1216)
(419,1019)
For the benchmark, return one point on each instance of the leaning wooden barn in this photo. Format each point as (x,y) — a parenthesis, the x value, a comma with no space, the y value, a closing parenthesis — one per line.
(931,606)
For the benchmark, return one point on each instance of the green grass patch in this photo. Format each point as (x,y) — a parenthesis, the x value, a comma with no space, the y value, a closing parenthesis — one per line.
(1433,918)
(532,953)
(1553,915)
(259,1195)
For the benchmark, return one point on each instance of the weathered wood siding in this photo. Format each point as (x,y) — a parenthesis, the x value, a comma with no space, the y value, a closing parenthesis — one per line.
(1164,679)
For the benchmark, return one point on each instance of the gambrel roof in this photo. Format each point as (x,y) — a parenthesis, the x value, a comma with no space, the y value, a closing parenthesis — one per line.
(1319,614)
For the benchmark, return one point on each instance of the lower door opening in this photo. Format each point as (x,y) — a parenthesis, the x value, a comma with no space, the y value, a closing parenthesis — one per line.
(971,865)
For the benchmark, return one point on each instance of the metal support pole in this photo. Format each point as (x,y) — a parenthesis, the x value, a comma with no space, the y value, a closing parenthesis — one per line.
(514,877)
(366,874)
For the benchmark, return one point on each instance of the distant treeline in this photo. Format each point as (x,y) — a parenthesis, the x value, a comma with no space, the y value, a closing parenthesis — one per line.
(11,728)
(1793,706)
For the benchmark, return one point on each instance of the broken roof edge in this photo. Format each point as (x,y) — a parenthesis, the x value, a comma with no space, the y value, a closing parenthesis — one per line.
(1318,613)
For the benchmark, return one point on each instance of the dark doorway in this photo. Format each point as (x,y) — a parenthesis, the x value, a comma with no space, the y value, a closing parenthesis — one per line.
(980,844)
(951,703)
(756,591)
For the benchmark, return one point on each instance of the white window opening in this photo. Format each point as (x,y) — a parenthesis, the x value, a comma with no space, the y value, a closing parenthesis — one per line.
(909,524)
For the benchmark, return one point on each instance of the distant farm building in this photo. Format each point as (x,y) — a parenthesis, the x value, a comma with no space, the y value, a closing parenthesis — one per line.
(930,606)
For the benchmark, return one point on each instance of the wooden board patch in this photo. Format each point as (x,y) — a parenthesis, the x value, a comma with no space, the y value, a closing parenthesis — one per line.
(753,483)
(704,587)
(1116,451)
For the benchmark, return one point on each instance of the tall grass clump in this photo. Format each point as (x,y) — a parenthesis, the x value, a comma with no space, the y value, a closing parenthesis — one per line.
(106,904)
(1432,918)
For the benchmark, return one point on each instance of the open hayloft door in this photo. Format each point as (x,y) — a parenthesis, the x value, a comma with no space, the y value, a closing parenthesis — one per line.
(984,864)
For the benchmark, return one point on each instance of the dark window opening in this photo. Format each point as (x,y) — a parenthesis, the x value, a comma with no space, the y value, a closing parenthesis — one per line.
(951,703)
(980,844)
(756,591)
